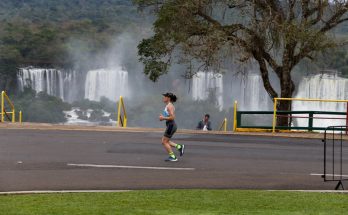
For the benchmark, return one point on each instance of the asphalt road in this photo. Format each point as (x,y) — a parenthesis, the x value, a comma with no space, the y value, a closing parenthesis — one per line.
(96,160)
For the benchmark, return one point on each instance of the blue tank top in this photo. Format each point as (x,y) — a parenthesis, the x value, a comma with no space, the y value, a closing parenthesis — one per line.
(165,111)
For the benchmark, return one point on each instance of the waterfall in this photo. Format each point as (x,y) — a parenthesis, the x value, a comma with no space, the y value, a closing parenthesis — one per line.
(51,81)
(322,86)
(204,83)
(248,90)
(110,83)
(253,96)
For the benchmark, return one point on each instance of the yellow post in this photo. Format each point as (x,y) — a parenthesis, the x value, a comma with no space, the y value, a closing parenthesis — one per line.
(225,126)
(2,106)
(125,122)
(13,115)
(119,112)
(121,107)
(235,116)
(20,116)
(124,115)
(274,114)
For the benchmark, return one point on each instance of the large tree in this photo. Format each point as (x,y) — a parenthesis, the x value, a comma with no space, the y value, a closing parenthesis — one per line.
(276,34)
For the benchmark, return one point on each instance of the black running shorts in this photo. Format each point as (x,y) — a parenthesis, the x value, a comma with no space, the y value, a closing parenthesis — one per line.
(171,129)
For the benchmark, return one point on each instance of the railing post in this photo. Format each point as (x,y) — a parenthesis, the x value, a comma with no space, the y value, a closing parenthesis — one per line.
(124,115)
(119,116)
(225,126)
(274,115)
(2,106)
(20,116)
(124,121)
(347,120)
(235,116)
(310,121)
(13,115)
(119,111)
(324,140)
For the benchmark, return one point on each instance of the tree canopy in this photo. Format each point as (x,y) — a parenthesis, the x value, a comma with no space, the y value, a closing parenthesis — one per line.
(275,34)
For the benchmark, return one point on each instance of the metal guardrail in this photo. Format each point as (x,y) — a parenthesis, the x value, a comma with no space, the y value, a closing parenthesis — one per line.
(275,112)
(333,155)
(121,114)
(311,116)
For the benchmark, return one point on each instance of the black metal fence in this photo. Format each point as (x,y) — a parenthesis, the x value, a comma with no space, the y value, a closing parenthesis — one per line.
(335,153)
(310,115)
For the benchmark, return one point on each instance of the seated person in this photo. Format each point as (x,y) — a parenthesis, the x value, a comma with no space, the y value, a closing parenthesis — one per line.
(205,124)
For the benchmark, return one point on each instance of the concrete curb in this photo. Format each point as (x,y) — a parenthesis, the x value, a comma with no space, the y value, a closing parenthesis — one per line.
(45,126)
(60,191)
(122,191)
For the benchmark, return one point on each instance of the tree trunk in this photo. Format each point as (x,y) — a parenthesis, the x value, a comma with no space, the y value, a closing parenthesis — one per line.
(284,119)
(265,77)
(287,89)
(286,85)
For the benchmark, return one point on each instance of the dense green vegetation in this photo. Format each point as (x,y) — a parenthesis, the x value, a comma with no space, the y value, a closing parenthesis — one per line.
(48,32)
(98,109)
(336,59)
(50,109)
(40,107)
(57,11)
(177,202)
(104,104)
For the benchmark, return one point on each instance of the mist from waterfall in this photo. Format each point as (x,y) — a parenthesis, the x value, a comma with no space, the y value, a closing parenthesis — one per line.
(117,72)
(205,84)
(253,96)
(113,82)
(248,89)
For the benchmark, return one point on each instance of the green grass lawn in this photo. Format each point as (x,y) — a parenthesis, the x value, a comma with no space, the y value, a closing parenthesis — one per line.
(176,202)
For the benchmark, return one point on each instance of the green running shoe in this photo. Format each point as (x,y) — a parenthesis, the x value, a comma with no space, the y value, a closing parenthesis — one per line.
(171,159)
(181,150)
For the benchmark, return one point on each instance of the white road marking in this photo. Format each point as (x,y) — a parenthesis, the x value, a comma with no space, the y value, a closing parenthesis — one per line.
(130,167)
(318,174)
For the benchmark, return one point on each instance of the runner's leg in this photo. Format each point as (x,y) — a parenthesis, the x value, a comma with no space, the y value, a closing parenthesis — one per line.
(166,144)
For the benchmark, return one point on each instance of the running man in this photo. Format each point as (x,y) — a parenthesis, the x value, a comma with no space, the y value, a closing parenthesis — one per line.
(169,116)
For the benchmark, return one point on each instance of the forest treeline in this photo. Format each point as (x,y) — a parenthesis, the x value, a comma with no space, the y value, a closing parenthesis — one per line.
(44,32)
